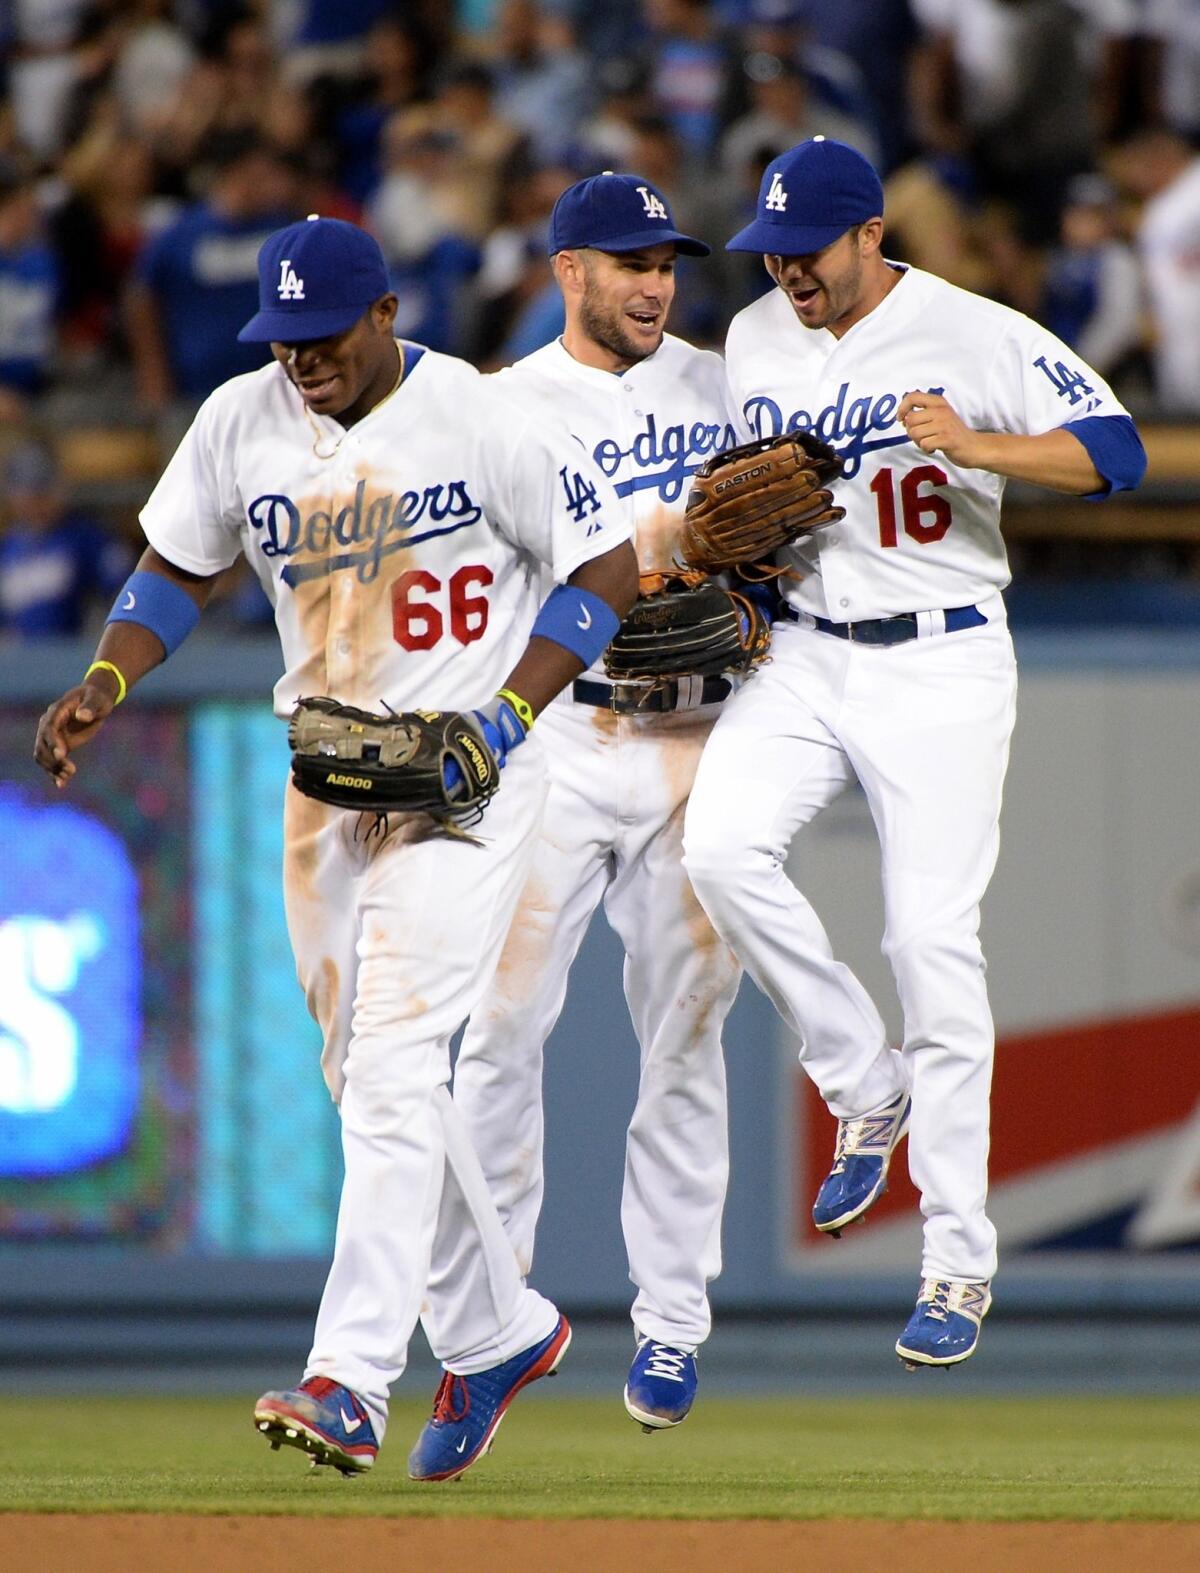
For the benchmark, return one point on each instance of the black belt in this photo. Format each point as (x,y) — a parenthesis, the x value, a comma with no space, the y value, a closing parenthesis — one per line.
(633,699)
(891,630)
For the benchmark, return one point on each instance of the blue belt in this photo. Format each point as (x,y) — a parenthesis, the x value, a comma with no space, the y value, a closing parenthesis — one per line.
(630,699)
(891,630)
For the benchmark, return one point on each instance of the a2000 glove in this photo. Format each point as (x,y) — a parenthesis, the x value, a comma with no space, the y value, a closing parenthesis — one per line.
(749,501)
(412,761)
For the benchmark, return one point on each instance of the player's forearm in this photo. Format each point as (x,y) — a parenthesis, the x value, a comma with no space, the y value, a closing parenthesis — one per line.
(546,666)
(131,646)
(1054,459)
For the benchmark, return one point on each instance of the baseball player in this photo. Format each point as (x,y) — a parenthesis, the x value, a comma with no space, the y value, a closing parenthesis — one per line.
(892,664)
(650,409)
(398,511)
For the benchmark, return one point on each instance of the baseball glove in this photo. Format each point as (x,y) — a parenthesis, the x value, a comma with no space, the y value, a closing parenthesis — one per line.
(749,501)
(686,625)
(394,763)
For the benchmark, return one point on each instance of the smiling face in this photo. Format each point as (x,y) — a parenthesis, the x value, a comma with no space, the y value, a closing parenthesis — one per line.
(618,301)
(834,288)
(347,374)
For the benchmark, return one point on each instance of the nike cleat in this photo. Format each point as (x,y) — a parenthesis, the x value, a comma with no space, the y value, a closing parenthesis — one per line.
(322,1418)
(860,1166)
(662,1385)
(468,1409)
(944,1328)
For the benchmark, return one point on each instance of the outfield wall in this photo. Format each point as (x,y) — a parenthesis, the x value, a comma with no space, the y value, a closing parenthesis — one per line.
(166,1144)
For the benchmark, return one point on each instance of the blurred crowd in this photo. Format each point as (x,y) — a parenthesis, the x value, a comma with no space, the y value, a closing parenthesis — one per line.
(1045,152)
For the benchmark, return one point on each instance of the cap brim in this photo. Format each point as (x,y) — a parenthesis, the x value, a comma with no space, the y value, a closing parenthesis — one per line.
(280,326)
(642,239)
(785,240)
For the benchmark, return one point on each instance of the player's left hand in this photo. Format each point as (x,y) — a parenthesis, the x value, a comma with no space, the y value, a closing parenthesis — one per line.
(936,427)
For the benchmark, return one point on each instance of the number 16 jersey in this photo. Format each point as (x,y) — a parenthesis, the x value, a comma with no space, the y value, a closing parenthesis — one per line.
(920,533)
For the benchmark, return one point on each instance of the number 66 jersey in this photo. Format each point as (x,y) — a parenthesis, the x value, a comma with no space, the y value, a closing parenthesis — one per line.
(919,532)
(403,555)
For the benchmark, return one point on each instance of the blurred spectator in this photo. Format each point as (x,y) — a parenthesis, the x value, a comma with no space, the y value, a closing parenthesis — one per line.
(55,564)
(29,285)
(224,91)
(543,84)
(606,138)
(833,87)
(517,292)
(416,213)
(1163,170)
(1092,297)
(98,231)
(928,223)
(197,281)
(1174,25)
(396,63)
(688,68)
(484,143)
(330,39)
(783,114)
(152,63)
(1023,88)
(877,36)
(42,70)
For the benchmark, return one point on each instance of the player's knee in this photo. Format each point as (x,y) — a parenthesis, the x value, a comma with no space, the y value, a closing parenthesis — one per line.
(715,861)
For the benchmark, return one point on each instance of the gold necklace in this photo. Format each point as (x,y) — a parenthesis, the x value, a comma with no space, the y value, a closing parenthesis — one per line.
(317,432)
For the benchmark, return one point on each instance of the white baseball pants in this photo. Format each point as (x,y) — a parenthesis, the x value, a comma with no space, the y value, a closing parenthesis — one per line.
(396,936)
(613,829)
(925,727)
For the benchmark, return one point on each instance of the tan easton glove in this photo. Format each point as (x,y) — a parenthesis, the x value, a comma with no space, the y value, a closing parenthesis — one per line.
(749,501)
(686,625)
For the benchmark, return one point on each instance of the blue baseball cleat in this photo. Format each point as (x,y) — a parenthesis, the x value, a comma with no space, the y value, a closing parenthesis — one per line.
(322,1418)
(860,1165)
(468,1409)
(944,1328)
(662,1385)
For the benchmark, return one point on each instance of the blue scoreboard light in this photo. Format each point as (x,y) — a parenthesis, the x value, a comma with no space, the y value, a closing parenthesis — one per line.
(70,1013)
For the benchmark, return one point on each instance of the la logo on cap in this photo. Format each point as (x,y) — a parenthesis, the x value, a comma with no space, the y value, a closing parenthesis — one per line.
(653,204)
(290,287)
(777,196)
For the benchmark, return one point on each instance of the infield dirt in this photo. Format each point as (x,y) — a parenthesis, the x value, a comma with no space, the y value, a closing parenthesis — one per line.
(169,1543)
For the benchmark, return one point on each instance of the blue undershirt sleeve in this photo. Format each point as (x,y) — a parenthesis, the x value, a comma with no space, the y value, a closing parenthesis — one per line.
(1114,447)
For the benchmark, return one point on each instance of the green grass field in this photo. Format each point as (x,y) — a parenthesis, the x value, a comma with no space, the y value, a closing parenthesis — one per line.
(1001,1458)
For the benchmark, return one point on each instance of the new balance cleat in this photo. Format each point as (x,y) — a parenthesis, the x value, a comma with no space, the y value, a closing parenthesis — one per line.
(322,1418)
(860,1166)
(468,1409)
(944,1328)
(662,1385)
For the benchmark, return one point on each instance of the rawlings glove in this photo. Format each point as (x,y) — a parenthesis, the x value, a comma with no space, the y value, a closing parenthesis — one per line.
(747,502)
(413,762)
(686,625)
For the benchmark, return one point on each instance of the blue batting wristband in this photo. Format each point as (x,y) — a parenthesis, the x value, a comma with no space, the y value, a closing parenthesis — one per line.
(157,603)
(580,621)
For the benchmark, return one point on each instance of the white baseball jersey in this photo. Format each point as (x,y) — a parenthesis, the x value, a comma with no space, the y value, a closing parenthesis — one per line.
(920,533)
(618,417)
(612,831)
(404,556)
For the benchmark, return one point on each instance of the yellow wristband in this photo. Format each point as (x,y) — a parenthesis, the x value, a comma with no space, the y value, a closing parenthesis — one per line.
(522,706)
(107,666)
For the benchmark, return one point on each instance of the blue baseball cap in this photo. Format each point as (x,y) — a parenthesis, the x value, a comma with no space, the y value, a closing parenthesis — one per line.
(315,278)
(809,196)
(616,213)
